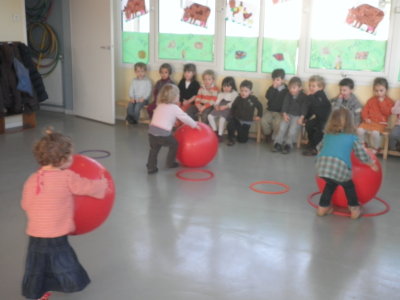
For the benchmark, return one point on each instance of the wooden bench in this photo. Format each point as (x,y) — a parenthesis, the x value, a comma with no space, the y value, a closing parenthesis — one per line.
(124,104)
(28,121)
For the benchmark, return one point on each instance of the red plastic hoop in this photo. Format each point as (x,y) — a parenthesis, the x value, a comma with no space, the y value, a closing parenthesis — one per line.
(209,173)
(346,214)
(286,188)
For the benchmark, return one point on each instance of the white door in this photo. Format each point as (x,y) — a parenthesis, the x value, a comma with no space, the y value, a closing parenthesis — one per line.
(92,59)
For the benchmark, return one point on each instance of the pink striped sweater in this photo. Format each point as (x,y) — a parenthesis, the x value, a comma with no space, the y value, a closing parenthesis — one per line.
(47,199)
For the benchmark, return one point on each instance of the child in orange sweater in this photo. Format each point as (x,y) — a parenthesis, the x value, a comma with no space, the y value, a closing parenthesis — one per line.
(51,263)
(375,114)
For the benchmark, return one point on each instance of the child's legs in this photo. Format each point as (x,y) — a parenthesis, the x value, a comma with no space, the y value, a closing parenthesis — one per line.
(281,132)
(221,125)
(150,109)
(293,132)
(155,146)
(376,140)
(315,132)
(394,137)
(350,192)
(192,111)
(172,143)
(130,111)
(211,121)
(266,123)
(138,107)
(205,113)
(327,193)
(361,134)
(233,126)
(243,133)
(276,123)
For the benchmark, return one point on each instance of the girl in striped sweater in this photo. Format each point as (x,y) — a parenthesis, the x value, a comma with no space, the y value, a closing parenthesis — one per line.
(51,263)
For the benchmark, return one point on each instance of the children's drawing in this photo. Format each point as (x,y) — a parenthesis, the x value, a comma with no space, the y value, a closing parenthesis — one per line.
(365,15)
(362,55)
(279,1)
(240,54)
(279,56)
(240,12)
(196,14)
(134,9)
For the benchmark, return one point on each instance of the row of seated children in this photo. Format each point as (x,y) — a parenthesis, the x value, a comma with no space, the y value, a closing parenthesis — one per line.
(371,119)
(206,103)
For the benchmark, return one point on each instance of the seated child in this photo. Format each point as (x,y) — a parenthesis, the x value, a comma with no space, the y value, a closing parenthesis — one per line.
(160,129)
(188,86)
(275,94)
(242,113)
(165,73)
(318,110)
(347,99)
(205,99)
(139,93)
(293,109)
(375,114)
(394,137)
(223,105)
(334,163)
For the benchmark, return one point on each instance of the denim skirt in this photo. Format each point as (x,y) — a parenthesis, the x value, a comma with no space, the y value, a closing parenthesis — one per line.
(52,265)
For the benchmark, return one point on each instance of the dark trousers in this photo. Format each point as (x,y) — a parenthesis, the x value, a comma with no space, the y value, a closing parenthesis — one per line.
(315,132)
(242,130)
(330,188)
(156,142)
(194,113)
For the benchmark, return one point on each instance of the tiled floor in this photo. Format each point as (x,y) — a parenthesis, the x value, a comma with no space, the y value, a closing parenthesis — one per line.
(168,239)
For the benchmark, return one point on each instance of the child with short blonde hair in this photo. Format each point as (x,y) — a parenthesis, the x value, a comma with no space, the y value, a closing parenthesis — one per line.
(334,163)
(160,129)
(47,199)
(139,93)
(206,97)
(318,110)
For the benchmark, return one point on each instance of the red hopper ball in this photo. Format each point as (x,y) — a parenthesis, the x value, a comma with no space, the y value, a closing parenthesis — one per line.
(366,181)
(196,148)
(91,212)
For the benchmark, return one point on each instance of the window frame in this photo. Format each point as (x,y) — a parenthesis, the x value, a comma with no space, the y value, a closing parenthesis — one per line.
(392,61)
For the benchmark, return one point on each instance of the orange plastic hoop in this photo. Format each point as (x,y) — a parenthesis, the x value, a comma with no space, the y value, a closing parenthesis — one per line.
(286,188)
(346,214)
(209,173)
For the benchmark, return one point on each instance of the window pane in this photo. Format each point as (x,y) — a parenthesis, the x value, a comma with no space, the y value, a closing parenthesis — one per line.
(348,35)
(241,37)
(281,35)
(135,31)
(186,30)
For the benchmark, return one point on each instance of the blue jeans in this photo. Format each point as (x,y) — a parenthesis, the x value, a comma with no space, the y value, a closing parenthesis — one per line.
(133,111)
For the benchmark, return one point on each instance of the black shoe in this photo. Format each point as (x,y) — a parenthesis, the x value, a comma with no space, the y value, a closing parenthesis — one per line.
(152,171)
(277,148)
(231,143)
(310,152)
(220,138)
(286,149)
(174,165)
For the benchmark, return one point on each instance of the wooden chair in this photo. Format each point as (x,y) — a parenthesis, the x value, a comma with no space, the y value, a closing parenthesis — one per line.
(385,150)
(142,120)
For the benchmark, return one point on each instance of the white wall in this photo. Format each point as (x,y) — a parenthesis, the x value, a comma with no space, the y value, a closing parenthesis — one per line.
(12,21)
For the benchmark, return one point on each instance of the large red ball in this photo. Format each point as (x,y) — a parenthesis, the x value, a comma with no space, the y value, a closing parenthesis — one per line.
(91,212)
(196,148)
(366,181)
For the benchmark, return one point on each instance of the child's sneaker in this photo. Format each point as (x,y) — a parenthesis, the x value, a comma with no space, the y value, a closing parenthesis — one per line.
(230,142)
(46,296)
(152,171)
(277,148)
(355,212)
(286,149)
(323,211)
(174,165)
